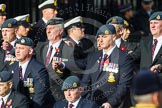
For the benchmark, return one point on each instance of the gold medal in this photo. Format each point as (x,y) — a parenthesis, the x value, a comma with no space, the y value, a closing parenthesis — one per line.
(31,90)
(111,78)
(58,71)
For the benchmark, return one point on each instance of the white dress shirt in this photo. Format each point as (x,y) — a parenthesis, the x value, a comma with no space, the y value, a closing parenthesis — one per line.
(158,46)
(24,66)
(74,103)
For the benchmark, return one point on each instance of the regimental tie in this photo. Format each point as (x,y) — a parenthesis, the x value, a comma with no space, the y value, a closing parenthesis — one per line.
(20,73)
(102,62)
(153,47)
(71,106)
(48,56)
(2,104)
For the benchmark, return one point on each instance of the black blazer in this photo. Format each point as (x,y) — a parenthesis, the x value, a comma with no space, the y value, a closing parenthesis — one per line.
(100,89)
(83,103)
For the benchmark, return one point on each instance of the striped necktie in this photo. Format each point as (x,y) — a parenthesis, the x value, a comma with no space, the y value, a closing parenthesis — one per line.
(48,56)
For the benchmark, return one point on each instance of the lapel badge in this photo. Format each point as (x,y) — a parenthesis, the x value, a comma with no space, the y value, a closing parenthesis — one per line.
(74,84)
(106,32)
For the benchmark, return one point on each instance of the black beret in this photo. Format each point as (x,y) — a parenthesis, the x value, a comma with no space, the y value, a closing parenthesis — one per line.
(115,20)
(71,82)
(55,21)
(146,82)
(125,8)
(5,76)
(9,23)
(25,41)
(156,16)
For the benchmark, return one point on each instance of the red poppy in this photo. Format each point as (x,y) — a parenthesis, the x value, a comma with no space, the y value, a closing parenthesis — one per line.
(123,48)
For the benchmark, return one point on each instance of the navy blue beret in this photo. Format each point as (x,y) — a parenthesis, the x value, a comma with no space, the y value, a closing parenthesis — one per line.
(115,20)
(25,41)
(55,21)
(71,82)
(156,16)
(10,23)
(146,82)
(5,76)
(106,30)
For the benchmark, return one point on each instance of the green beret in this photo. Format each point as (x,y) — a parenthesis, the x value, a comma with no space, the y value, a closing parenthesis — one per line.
(71,82)
(115,20)
(5,76)
(25,41)
(156,16)
(55,21)
(106,30)
(10,23)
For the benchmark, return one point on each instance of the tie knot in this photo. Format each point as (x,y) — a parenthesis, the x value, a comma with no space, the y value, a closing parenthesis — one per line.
(71,106)
(51,47)
(105,55)
(155,41)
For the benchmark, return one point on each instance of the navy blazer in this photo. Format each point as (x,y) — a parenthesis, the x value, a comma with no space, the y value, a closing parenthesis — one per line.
(83,103)
(40,77)
(103,91)
(17,100)
(144,53)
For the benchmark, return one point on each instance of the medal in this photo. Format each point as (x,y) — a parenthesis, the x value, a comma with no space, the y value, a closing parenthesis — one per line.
(111,77)
(58,59)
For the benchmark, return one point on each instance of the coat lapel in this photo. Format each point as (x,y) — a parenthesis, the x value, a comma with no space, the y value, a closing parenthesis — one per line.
(45,49)
(158,56)
(28,69)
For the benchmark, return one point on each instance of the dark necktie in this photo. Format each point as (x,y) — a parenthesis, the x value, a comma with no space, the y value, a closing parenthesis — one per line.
(102,62)
(48,56)
(153,47)
(71,106)
(20,73)
(2,104)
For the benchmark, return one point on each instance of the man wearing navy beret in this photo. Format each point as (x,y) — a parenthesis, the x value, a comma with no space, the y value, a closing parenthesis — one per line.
(29,76)
(8,97)
(150,51)
(109,72)
(72,89)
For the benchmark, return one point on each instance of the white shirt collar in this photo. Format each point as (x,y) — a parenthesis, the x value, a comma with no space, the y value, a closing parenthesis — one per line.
(5,98)
(45,20)
(74,103)
(56,45)
(109,52)
(24,66)
(118,42)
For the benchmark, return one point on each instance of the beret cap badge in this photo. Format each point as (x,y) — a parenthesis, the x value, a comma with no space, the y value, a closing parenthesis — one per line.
(9,25)
(106,32)
(27,19)
(22,41)
(158,17)
(113,20)
(74,84)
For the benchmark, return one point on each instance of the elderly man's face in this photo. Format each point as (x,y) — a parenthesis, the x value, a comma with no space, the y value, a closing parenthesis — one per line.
(53,32)
(8,34)
(156,27)
(72,95)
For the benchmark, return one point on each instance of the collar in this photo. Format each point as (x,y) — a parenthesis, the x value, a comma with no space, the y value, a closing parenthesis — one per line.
(6,97)
(118,42)
(74,103)
(109,52)
(45,20)
(24,66)
(55,45)
(159,38)
(18,37)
